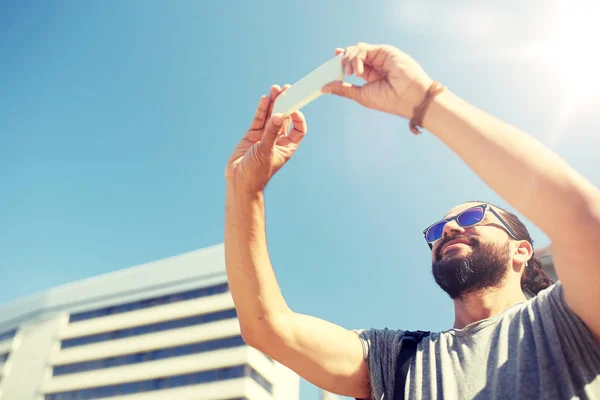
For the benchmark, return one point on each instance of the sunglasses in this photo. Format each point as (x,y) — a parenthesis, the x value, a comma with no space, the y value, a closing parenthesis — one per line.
(469,217)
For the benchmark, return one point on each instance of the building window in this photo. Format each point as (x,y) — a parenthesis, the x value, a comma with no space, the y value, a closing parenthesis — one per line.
(150,302)
(179,351)
(3,357)
(150,328)
(7,335)
(258,378)
(151,385)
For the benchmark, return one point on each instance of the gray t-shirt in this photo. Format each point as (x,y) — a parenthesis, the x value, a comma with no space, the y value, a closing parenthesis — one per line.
(537,349)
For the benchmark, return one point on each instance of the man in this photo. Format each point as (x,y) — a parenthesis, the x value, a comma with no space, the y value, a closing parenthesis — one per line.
(502,345)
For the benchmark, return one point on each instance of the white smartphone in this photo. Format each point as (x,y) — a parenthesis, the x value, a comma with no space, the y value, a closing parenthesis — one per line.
(308,88)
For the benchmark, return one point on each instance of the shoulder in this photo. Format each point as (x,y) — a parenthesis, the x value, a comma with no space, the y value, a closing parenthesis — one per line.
(551,300)
(552,313)
(381,349)
(375,340)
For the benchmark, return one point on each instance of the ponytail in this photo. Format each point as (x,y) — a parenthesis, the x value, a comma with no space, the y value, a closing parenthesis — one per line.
(534,278)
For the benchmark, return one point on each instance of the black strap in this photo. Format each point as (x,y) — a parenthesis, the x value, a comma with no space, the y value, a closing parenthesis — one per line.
(408,349)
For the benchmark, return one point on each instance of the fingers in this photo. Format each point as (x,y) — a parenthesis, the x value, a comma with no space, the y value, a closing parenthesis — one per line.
(273,93)
(299,127)
(260,116)
(274,128)
(351,60)
(278,125)
(371,74)
(366,60)
(265,107)
(343,89)
(276,90)
(358,66)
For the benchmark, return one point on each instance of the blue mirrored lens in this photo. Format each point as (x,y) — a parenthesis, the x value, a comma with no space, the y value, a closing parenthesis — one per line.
(435,232)
(471,217)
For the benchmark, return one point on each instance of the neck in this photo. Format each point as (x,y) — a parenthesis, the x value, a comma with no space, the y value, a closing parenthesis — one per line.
(474,307)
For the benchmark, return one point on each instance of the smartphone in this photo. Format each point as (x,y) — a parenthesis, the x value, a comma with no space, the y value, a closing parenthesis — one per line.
(309,87)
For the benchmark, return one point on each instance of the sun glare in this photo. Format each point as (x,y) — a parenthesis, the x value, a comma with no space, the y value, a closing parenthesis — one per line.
(573,52)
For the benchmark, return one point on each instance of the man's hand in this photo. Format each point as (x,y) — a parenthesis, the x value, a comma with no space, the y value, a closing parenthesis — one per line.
(395,83)
(265,147)
(323,353)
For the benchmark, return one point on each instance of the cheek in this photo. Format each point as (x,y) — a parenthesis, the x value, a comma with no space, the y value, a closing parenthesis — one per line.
(434,251)
(490,235)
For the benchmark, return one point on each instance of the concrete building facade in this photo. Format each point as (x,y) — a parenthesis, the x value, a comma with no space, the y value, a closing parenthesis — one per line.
(162,330)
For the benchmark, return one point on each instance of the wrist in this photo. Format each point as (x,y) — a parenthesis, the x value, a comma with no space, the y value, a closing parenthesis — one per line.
(413,96)
(420,110)
(241,192)
(438,111)
(244,211)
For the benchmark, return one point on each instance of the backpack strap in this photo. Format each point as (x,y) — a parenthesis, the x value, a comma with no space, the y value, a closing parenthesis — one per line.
(408,349)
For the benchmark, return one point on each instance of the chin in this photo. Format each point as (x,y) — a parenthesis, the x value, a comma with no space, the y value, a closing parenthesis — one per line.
(463,271)
(453,254)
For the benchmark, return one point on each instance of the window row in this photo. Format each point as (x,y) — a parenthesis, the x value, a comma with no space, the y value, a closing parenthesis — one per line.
(8,335)
(184,350)
(151,302)
(3,358)
(149,328)
(150,385)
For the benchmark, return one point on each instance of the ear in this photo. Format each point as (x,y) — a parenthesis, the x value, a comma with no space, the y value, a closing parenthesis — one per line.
(522,253)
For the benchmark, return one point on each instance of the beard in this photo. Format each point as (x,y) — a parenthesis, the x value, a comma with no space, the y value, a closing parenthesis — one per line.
(484,268)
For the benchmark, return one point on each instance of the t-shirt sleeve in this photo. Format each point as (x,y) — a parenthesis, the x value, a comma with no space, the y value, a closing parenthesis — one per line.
(572,334)
(380,348)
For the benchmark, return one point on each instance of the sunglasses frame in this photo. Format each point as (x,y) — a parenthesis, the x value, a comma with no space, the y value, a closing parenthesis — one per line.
(455,218)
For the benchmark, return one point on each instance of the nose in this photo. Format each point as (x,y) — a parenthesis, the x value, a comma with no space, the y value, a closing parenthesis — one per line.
(452,228)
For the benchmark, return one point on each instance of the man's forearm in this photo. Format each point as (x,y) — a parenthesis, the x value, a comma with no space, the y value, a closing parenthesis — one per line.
(251,278)
(523,171)
(325,354)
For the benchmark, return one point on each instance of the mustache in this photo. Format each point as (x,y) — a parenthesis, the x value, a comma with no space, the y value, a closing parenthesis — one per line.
(471,241)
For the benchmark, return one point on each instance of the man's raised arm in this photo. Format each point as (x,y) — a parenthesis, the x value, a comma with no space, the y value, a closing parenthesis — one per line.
(539,184)
(323,353)
(522,170)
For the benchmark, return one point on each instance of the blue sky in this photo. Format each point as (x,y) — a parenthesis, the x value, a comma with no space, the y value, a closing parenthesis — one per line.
(117,118)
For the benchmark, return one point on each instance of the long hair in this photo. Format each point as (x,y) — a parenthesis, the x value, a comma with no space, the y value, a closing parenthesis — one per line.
(534,278)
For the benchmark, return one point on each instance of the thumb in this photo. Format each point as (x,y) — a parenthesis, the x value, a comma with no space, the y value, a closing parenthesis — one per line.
(271,133)
(343,89)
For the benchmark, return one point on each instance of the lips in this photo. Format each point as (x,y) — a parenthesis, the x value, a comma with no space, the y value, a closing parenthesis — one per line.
(454,241)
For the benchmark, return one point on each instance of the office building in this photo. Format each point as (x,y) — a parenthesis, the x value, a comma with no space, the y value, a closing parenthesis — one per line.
(162,330)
